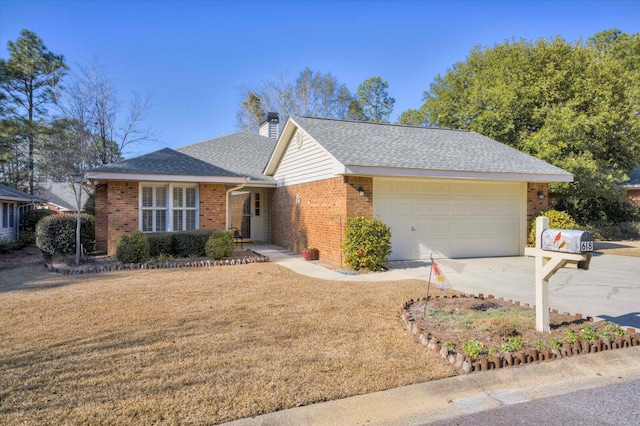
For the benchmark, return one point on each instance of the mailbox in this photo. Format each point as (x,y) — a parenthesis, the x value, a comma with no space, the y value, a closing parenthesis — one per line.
(569,241)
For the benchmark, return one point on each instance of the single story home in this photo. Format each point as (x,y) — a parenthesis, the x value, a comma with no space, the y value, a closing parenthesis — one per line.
(60,196)
(444,192)
(14,204)
(632,186)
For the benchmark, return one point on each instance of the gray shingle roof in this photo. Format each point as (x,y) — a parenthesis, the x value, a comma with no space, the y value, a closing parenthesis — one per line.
(166,162)
(409,147)
(9,193)
(242,153)
(634,179)
(60,194)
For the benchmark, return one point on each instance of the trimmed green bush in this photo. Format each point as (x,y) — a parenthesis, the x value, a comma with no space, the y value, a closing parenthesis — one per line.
(56,234)
(557,220)
(133,249)
(367,243)
(8,246)
(220,245)
(160,244)
(191,243)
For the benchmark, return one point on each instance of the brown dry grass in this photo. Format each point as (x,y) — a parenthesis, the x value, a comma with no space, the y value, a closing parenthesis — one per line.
(197,346)
(619,248)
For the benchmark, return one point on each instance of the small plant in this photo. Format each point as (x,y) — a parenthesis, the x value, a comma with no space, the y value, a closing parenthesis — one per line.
(555,342)
(589,333)
(449,345)
(492,351)
(367,243)
(7,246)
(513,344)
(163,257)
(571,336)
(133,249)
(472,348)
(220,245)
(539,345)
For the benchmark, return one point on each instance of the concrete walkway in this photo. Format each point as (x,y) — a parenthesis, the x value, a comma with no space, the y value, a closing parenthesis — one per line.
(461,395)
(609,290)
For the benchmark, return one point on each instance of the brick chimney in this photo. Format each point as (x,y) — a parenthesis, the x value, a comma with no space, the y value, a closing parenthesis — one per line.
(270,125)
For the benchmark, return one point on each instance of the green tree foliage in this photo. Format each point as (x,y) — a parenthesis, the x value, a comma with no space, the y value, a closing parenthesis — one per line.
(367,243)
(28,80)
(374,101)
(568,104)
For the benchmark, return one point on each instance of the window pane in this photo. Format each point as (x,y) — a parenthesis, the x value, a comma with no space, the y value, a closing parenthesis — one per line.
(147,196)
(191,219)
(161,220)
(147,220)
(11,216)
(177,197)
(191,197)
(177,220)
(5,219)
(161,196)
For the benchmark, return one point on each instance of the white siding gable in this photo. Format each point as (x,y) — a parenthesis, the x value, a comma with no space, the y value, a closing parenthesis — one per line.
(305,160)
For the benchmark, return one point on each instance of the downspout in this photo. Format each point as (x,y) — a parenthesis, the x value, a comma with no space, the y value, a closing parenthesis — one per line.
(229,191)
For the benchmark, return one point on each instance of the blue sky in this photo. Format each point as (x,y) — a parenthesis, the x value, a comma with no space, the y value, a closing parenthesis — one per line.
(192,57)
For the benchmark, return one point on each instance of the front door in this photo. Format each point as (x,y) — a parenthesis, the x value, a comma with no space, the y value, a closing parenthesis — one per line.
(241,213)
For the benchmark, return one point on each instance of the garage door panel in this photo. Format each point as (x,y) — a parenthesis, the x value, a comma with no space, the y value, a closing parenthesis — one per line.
(449,219)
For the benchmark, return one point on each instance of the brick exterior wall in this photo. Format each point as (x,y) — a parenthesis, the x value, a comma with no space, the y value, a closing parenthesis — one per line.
(213,206)
(122,211)
(319,219)
(101,218)
(536,204)
(633,196)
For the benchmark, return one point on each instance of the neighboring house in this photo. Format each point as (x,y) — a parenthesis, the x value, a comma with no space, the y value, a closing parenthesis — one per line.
(446,192)
(632,187)
(60,196)
(14,203)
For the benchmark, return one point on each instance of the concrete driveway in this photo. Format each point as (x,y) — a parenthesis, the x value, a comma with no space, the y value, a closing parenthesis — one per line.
(609,290)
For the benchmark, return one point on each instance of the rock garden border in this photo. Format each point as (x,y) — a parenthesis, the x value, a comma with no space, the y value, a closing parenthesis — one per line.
(467,364)
(254,257)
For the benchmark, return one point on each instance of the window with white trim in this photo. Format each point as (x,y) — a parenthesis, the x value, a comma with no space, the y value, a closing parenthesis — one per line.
(159,213)
(8,215)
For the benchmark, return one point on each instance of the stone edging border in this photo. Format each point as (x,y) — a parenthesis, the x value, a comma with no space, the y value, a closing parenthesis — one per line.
(469,365)
(168,264)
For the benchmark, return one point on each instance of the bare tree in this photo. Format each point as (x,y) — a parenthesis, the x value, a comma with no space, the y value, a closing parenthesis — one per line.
(113,131)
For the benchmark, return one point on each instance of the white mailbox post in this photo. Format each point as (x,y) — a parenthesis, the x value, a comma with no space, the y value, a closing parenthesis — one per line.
(555,249)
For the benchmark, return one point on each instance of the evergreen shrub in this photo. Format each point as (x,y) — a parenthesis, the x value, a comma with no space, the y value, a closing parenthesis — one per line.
(367,243)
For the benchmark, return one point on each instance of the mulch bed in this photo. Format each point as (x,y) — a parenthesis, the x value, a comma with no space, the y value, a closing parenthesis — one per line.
(450,321)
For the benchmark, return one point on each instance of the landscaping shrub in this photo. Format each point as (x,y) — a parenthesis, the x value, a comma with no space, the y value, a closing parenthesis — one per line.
(7,246)
(56,234)
(191,243)
(28,222)
(220,245)
(598,210)
(367,243)
(160,244)
(133,249)
(557,220)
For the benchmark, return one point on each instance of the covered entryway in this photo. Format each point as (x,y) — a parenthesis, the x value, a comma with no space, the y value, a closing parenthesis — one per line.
(248,213)
(451,218)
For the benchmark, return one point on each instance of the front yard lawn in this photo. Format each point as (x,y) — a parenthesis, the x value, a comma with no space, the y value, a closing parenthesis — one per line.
(198,346)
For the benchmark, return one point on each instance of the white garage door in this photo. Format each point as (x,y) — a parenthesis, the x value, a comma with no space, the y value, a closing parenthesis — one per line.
(453,219)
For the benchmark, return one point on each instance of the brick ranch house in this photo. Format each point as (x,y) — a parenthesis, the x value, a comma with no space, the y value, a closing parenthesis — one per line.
(453,193)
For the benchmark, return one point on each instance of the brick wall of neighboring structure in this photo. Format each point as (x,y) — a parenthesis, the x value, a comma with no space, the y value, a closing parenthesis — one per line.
(122,211)
(319,217)
(213,205)
(535,204)
(101,218)
(633,196)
